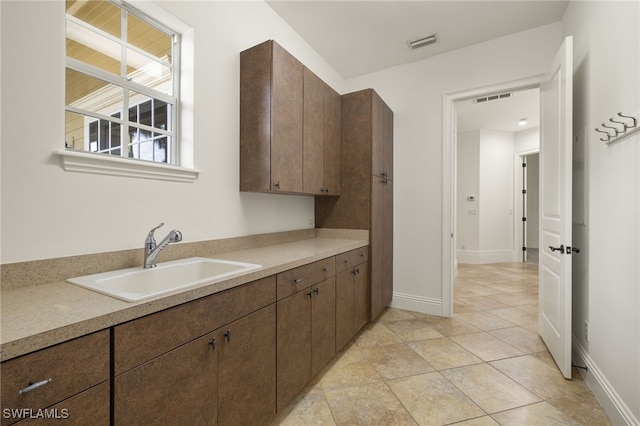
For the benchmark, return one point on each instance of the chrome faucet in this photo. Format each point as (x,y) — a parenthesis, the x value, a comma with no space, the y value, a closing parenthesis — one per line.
(151,249)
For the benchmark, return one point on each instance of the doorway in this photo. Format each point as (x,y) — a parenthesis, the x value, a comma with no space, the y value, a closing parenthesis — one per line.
(450,194)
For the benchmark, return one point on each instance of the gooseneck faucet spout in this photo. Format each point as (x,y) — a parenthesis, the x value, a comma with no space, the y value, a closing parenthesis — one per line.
(151,249)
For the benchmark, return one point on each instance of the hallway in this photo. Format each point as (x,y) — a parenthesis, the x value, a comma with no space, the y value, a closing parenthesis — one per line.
(485,366)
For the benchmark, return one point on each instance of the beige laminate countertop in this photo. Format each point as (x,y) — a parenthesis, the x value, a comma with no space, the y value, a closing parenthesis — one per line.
(39,316)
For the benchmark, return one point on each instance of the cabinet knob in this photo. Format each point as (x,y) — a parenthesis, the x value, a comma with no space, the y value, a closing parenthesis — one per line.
(227,335)
(277,185)
(297,280)
(213,344)
(326,190)
(309,294)
(316,291)
(326,269)
(322,190)
(34,386)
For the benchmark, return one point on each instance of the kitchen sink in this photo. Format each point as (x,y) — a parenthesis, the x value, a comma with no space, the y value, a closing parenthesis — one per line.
(136,284)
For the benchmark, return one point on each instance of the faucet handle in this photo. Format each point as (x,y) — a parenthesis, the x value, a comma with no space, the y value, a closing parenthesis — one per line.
(150,236)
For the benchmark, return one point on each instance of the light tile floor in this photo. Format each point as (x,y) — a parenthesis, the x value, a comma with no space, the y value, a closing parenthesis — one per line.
(484,366)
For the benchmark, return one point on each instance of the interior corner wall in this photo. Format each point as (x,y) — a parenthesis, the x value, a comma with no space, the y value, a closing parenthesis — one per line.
(468,171)
(47,212)
(606,293)
(485,171)
(496,187)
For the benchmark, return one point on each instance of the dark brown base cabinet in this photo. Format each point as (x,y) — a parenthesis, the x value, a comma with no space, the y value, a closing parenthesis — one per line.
(236,357)
(352,295)
(306,326)
(69,381)
(179,387)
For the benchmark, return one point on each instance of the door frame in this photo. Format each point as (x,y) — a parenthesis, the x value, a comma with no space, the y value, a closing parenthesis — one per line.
(517,198)
(449,178)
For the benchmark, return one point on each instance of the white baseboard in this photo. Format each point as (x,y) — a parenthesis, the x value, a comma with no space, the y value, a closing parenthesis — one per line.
(409,302)
(476,257)
(613,405)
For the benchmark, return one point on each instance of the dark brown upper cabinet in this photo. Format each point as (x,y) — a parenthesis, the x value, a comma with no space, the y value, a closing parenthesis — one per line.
(289,125)
(321,137)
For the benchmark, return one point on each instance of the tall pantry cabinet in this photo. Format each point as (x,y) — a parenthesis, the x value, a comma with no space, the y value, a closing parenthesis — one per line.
(366,200)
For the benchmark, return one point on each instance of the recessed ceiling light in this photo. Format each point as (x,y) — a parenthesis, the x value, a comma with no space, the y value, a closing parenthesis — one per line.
(423,41)
(522,122)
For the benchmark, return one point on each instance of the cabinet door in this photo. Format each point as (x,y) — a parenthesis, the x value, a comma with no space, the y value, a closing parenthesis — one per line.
(332,141)
(378,186)
(178,387)
(360,297)
(344,308)
(313,134)
(387,134)
(294,345)
(286,121)
(247,369)
(323,324)
(377,135)
(72,366)
(387,244)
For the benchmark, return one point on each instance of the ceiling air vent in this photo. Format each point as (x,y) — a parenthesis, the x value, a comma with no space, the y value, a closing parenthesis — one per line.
(423,41)
(492,97)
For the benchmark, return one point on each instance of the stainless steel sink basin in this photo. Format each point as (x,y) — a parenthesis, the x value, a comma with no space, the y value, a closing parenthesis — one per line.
(135,284)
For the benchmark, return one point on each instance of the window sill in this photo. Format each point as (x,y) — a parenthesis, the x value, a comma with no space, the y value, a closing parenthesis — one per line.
(85,162)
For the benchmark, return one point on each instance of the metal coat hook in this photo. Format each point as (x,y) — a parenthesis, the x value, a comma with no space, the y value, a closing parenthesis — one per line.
(635,120)
(615,129)
(606,133)
(624,125)
(629,126)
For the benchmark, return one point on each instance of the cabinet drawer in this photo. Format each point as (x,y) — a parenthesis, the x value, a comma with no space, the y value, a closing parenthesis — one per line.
(168,329)
(72,366)
(351,258)
(299,278)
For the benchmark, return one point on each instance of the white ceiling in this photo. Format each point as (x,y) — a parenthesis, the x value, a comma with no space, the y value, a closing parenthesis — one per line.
(500,114)
(360,37)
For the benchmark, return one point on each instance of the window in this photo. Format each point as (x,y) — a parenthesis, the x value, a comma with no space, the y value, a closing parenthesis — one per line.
(121,82)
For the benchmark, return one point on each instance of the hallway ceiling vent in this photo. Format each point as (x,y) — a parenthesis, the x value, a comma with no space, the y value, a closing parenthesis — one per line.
(492,97)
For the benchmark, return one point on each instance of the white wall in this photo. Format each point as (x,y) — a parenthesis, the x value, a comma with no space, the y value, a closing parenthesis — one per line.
(485,170)
(47,212)
(496,187)
(606,290)
(468,171)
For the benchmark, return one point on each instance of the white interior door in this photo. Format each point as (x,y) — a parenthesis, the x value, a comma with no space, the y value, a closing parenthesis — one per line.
(556,93)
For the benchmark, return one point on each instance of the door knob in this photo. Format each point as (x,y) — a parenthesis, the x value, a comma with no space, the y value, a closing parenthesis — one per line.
(560,249)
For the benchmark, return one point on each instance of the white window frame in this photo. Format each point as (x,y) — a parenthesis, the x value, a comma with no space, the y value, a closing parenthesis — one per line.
(181,129)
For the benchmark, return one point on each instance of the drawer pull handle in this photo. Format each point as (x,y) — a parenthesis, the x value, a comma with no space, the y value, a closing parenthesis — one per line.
(297,280)
(228,335)
(309,294)
(213,344)
(317,291)
(326,269)
(34,386)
